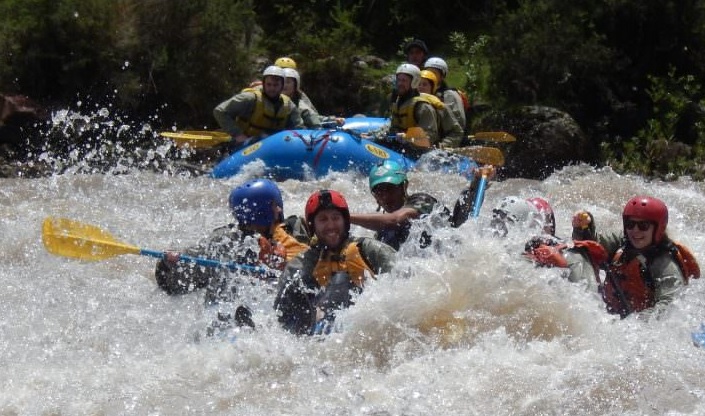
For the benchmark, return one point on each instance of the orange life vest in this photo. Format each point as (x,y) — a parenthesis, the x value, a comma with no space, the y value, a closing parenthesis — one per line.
(347,260)
(629,286)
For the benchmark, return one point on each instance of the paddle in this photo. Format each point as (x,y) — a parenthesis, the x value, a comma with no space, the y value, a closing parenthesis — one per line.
(480,195)
(481,154)
(73,239)
(463,206)
(197,139)
(493,136)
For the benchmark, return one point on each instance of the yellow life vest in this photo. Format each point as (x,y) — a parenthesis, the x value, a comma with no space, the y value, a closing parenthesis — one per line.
(433,100)
(265,118)
(403,116)
(347,260)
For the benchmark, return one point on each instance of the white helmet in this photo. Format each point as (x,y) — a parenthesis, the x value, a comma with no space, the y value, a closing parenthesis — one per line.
(273,71)
(292,73)
(437,63)
(532,213)
(411,70)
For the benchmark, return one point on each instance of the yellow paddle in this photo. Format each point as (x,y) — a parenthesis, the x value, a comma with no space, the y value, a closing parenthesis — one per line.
(73,239)
(197,139)
(493,136)
(481,154)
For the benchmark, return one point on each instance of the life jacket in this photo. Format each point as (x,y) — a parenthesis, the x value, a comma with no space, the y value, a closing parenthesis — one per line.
(349,260)
(551,255)
(292,246)
(272,253)
(265,118)
(686,261)
(403,116)
(629,286)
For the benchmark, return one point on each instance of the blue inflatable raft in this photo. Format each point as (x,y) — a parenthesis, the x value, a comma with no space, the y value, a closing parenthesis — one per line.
(298,154)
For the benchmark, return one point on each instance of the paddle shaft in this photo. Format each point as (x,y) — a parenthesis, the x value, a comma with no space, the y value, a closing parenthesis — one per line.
(481,186)
(205,262)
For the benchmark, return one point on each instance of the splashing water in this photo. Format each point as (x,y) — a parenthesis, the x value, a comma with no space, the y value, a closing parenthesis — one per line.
(465,327)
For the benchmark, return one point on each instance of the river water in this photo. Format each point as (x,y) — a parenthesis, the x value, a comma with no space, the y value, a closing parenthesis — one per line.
(465,328)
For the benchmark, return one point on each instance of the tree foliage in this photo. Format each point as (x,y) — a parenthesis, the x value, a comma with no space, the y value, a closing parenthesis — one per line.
(609,63)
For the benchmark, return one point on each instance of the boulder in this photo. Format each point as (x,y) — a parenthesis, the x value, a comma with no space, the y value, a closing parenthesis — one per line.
(547,139)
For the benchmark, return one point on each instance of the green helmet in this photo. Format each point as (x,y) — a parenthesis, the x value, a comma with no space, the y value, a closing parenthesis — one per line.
(387,172)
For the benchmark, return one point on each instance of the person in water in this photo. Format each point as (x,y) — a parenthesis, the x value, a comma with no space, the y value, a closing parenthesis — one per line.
(257,113)
(645,269)
(261,237)
(389,186)
(320,280)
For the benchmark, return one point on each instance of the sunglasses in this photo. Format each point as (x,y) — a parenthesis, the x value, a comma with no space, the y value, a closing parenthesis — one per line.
(642,225)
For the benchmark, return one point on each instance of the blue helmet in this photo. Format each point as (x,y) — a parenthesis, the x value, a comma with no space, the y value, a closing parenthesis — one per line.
(251,202)
(387,172)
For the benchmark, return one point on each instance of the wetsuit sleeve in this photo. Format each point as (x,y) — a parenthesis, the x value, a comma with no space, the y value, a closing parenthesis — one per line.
(427,119)
(454,103)
(240,105)
(421,202)
(306,100)
(668,280)
(452,133)
(295,121)
(310,117)
(580,268)
(181,278)
(379,256)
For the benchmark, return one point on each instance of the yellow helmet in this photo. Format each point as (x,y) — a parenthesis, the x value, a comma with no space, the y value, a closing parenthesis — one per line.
(285,62)
(431,77)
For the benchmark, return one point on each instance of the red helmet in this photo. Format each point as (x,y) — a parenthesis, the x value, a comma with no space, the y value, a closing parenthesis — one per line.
(544,208)
(325,199)
(651,209)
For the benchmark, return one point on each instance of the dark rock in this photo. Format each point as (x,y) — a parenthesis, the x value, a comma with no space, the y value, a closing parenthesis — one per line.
(547,139)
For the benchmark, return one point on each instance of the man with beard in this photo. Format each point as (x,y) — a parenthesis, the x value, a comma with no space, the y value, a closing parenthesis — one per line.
(320,280)
(255,114)
(411,109)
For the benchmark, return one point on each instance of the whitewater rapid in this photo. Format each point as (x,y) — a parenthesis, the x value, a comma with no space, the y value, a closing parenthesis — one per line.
(465,328)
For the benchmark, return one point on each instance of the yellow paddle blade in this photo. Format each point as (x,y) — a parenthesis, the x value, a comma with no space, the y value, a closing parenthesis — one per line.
(493,136)
(68,238)
(482,155)
(417,136)
(197,139)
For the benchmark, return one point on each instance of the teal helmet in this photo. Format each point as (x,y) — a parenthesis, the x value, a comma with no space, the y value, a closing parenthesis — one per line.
(387,172)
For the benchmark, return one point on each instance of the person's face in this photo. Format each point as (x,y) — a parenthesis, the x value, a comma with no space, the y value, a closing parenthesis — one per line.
(426,86)
(272,86)
(329,226)
(290,87)
(639,232)
(403,83)
(390,197)
(416,56)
